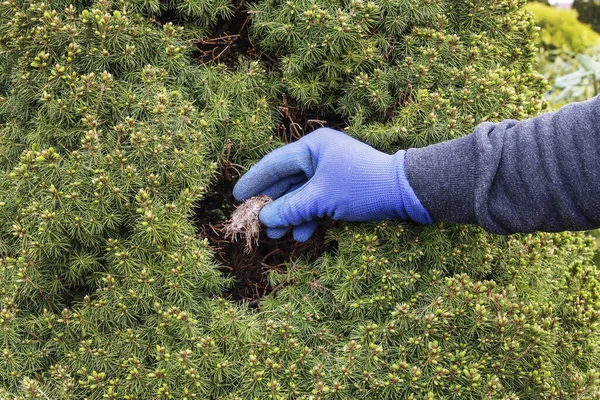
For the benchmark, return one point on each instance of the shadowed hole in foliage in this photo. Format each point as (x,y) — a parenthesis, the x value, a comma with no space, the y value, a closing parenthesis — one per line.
(210,216)
(250,269)
(297,122)
(230,40)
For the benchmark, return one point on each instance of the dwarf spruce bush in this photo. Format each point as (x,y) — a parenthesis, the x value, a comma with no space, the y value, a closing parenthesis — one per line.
(112,134)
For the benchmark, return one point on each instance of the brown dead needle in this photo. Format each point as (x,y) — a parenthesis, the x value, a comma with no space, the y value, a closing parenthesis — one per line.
(244,221)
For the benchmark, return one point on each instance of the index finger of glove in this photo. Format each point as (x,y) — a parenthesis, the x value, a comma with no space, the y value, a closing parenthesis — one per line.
(278,165)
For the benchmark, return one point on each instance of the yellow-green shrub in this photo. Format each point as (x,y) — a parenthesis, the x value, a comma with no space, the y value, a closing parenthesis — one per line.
(560,29)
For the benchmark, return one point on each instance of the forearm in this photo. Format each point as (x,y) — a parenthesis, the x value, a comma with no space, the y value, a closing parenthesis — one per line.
(541,174)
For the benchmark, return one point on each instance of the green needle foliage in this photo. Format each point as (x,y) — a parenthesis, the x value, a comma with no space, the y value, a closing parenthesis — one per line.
(111,133)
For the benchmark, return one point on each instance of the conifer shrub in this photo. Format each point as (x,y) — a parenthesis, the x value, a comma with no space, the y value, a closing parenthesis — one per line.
(113,136)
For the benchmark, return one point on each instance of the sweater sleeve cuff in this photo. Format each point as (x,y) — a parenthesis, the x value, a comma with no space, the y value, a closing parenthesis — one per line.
(413,207)
(442,178)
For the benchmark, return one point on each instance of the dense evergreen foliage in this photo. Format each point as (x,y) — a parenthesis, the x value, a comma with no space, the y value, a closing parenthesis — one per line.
(111,132)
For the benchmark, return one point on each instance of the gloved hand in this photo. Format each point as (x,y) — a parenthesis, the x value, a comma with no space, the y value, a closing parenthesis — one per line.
(329,173)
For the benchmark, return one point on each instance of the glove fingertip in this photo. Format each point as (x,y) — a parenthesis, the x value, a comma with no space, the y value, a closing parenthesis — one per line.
(304,231)
(269,215)
(276,233)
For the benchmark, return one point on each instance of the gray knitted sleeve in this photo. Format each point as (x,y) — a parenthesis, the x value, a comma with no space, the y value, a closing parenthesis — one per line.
(541,174)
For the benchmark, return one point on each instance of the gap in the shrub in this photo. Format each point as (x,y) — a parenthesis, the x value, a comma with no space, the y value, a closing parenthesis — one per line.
(77,293)
(250,269)
(230,40)
(297,122)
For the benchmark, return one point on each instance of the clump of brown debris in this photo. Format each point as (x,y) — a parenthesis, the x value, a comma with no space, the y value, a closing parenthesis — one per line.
(244,221)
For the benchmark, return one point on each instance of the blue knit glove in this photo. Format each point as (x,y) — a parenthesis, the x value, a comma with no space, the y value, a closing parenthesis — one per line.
(329,173)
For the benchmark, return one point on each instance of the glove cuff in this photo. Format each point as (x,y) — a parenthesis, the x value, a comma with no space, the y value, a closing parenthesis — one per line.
(380,190)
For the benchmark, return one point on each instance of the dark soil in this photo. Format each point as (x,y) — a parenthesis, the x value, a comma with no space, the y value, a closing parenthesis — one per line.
(249,269)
